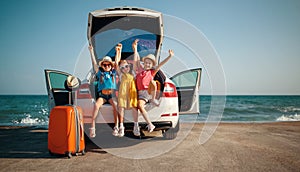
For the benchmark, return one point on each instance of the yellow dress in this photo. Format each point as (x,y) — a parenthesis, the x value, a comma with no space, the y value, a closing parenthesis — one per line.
(127,96)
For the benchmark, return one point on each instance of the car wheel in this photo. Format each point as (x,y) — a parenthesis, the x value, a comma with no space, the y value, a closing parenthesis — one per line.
(171,133)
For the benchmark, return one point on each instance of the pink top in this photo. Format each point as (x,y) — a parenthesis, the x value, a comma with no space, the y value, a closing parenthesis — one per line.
(143,79)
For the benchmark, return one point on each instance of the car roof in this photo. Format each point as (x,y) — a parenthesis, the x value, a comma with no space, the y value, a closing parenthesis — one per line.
(126,11)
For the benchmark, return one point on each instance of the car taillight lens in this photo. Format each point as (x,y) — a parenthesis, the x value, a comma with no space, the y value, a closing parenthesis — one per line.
(84,92)
(170,90)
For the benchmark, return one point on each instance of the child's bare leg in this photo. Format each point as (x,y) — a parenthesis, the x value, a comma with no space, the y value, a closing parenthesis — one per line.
(135,114)
(116,117)
(97,106)
(153,89)
(136,128)
(121,131)
(115,112)
(153,93)
(141,104)
(121,114)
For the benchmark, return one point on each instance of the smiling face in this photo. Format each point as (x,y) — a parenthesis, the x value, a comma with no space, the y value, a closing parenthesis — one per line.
(124,67)
(106,66)
(148,64)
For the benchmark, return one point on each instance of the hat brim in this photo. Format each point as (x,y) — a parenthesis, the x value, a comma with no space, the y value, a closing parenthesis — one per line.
(153,61)
(72,86)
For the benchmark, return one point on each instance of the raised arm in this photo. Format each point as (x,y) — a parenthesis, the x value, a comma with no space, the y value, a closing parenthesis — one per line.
(136,56)
(171,54)
(93,58)
(118,57)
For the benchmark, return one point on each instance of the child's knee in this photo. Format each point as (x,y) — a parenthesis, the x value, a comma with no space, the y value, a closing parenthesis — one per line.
(97,106)
(141,105)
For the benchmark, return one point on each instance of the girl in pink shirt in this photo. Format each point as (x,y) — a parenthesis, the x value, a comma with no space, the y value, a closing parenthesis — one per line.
(144,79)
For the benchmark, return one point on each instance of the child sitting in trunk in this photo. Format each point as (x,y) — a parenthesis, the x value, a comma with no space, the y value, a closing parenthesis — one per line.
(106,76)
(127,96)
(145,79)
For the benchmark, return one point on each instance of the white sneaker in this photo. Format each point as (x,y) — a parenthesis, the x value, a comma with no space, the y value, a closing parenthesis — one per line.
(150,127)
(136,130)
(121,131)
(92,132)
(115,131)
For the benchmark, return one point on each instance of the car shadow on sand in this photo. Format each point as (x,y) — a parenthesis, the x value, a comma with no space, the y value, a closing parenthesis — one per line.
(105,140)
(32,142)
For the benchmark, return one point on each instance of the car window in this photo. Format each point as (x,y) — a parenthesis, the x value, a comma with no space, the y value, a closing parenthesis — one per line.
(186,79)
(57,80)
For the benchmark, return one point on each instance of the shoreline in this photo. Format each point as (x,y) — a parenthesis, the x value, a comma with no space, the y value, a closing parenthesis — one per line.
(187,122)
(233,147)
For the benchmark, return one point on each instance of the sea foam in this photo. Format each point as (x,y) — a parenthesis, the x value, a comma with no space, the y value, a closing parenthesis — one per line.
(29,120)
(295,117)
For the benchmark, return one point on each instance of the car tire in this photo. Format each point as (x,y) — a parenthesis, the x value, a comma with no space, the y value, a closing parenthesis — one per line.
(171,133)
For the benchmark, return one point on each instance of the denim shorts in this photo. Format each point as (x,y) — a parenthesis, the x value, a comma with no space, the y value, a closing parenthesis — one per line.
(105,97)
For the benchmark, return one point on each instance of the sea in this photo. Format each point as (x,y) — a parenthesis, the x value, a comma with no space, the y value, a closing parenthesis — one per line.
(32,110)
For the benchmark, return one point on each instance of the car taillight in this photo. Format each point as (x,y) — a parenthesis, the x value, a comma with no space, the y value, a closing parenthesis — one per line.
(84,92)
(169,90)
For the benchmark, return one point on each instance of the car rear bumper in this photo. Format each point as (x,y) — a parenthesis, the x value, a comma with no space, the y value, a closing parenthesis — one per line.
(161,125)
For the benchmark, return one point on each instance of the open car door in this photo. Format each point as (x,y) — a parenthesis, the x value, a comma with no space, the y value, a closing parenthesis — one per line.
(57,93)
(187,85)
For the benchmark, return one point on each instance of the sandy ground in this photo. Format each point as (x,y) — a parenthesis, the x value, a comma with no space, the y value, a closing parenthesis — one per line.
(232,147)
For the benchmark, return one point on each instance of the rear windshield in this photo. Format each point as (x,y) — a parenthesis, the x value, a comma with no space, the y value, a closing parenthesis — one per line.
(105,42)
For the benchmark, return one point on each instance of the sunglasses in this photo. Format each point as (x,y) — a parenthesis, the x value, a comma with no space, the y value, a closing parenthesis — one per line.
(106,65)
(123,67)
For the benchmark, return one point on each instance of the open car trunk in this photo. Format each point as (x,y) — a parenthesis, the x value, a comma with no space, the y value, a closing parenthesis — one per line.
(108,27)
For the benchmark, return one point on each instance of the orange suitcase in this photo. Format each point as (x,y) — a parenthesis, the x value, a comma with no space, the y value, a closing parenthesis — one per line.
(65,132)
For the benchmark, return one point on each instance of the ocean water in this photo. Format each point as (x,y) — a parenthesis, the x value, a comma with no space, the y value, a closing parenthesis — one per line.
(255,108)
(33,110)
(24,110)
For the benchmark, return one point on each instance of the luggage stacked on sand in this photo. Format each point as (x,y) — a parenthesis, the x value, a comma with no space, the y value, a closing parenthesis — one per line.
(66,131)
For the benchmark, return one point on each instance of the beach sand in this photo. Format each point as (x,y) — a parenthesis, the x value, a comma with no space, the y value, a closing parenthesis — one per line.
(232,147)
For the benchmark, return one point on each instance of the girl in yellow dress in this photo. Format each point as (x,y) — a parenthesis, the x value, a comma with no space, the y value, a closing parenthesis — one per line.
(127,96)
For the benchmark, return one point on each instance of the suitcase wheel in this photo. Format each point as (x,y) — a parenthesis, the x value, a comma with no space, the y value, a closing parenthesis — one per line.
(69,154)
(50,153)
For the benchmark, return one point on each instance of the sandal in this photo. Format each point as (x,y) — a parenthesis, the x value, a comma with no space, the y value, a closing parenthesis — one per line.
(92,132)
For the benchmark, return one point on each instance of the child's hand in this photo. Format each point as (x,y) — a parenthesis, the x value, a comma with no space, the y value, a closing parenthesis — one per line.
(171,53)
(118,53)
(134,45)
(119,48)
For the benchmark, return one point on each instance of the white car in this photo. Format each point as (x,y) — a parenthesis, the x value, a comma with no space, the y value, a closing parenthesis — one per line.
(108,27)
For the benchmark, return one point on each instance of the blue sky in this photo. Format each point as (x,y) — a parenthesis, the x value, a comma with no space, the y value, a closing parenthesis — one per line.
(258,41)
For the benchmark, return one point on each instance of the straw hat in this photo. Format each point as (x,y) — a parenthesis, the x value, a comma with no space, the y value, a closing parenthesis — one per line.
(151,57)
(72,82)
(106,59)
